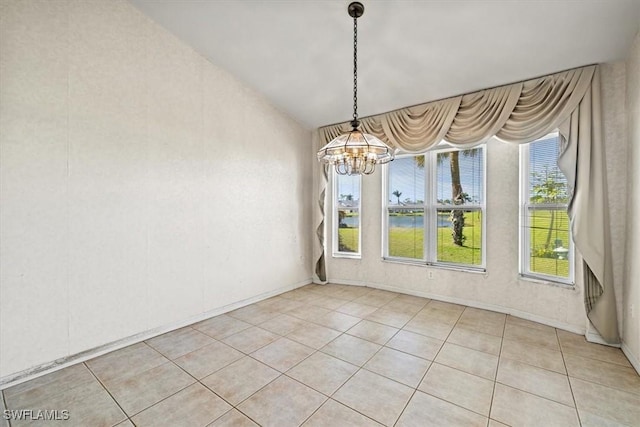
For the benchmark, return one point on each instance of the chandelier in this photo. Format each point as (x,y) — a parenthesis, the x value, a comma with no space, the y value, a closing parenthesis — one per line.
(355,152)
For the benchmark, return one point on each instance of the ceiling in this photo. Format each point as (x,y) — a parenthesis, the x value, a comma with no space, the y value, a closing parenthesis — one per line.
(298,54)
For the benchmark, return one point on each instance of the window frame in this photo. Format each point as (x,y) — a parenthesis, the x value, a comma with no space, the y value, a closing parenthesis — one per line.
(524,252)
(336,253)
(430,208)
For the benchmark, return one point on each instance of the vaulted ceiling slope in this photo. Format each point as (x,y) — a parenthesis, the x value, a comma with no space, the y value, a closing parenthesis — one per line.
(299,53)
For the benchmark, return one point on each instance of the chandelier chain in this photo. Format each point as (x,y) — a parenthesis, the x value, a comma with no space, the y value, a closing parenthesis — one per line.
(355,69)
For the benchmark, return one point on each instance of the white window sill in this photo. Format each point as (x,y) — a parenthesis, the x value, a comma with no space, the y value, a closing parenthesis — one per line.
(541,281)
(346,255)
(463,269)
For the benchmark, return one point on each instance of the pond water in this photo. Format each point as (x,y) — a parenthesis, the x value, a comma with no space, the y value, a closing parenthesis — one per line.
(402,221)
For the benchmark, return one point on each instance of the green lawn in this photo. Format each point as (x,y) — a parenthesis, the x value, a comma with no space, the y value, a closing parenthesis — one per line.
(471,251)
(348,239)
(544,238)
(406,242)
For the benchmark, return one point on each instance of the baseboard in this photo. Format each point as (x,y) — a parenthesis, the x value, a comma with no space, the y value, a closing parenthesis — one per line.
(632,358)
(49,367)
(470,303)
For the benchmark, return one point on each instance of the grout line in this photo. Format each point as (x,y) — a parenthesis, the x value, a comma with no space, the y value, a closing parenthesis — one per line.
(573,397)
(3,405)
(495,381)
(108,392)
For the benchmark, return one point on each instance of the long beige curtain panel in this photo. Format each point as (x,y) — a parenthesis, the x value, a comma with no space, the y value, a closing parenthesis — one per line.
(521,113)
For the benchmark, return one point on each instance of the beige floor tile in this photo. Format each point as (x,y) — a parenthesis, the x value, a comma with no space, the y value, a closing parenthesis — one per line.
(390,317)
(372,331)
(209,359)
(222,326)
(445,306)
(336,414)
(87,403)
(375,300)
(353,292)
(475,340)
(139,392)
(297,294)
(284,402)
(314,336)
(126,362)
(401,306)
(494,423)
(322,372)
(608,374)
(578,345)
(241,379)
(329,302)
(533,355)
(338,321)
(351,349)
(490,327)
(606,402)
(515,407)
(357,309)
(233,418)
(193,406)
(279,304)
(431,327)
(538,381)
(40,388)
(283,324)
(384,405)
(466,390)
(282,354)
(471,361)
(308,297)
(398,366)
(180,342)
(443,314)
(383,293)
(253,314)
(415,344)
(587,419)
(309,312)
(125,423)
(518,321)
(410,299)
(426,410)
(250,339)
(536,337)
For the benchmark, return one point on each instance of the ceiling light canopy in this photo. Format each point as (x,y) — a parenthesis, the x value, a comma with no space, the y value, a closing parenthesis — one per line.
(355,152)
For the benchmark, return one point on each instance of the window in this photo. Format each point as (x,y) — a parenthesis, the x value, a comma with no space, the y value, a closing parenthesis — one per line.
(346,215)
(546,247)
(434,207)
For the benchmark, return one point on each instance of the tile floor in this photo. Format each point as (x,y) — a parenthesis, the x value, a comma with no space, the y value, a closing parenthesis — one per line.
(346,356)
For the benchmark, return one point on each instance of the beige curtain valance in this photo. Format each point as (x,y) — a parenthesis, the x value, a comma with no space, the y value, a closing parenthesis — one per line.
(521,113)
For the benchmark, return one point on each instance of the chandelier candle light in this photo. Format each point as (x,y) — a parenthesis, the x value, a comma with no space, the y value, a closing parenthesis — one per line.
(355,152)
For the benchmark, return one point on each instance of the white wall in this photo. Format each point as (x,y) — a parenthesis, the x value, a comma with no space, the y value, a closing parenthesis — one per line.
(141,185)
(631,333)
(501,288)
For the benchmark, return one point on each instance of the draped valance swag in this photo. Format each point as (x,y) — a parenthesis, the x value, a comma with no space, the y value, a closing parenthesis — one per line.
(521,113)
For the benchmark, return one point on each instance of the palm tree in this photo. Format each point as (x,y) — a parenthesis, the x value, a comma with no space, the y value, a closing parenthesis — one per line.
(458,197)
(549,187)
(397,193)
